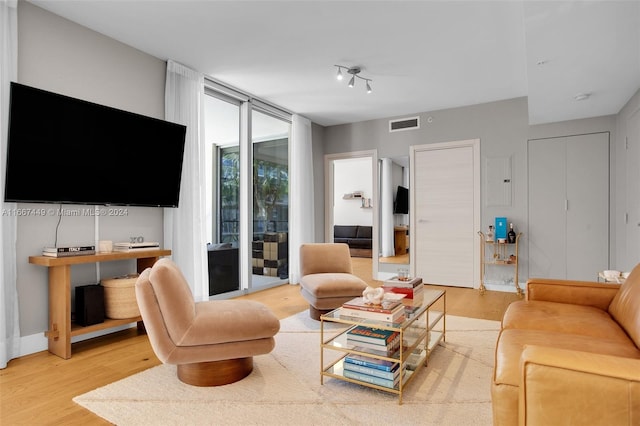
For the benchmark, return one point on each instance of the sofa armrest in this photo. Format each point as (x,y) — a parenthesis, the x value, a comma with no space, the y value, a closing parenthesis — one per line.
(587,293)
(577,387)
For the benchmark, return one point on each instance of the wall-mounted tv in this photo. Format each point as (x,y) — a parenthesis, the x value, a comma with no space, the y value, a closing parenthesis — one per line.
(67,150)
(401,204)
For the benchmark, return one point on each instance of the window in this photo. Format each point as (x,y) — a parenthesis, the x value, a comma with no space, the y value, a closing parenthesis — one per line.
(267,263)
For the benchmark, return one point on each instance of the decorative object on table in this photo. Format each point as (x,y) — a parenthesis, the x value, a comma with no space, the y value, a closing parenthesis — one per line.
(403,274)
(373,295)
(490,235)
(511,236)
(501,229)
(105,246)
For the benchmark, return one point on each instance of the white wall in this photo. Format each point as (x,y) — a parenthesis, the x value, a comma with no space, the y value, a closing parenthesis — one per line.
(352,175)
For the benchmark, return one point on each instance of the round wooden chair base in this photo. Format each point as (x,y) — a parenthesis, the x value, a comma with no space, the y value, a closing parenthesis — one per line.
(215,373)
(315,313)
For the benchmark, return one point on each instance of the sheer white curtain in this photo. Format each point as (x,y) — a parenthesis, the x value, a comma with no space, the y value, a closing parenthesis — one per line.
(302,219)
(386,209)
(9,326)
(184,227)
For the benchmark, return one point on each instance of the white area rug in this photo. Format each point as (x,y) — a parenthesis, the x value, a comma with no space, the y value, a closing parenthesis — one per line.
(284,388)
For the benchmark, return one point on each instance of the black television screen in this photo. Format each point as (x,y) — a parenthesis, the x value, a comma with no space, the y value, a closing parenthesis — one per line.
(66,150)
(401,205)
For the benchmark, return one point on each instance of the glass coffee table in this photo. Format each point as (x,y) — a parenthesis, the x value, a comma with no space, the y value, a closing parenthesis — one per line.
(421,330)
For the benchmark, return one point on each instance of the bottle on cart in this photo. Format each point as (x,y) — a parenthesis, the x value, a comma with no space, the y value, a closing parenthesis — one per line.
(511,236)
(490,234)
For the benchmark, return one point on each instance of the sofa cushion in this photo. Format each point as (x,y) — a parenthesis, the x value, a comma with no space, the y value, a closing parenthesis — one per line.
(625,306)
(563,318)
(345,231)
(361,243)
(364,232)
(511,343)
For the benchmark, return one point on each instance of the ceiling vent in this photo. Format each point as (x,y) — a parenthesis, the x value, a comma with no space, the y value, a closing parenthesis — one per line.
(410,123)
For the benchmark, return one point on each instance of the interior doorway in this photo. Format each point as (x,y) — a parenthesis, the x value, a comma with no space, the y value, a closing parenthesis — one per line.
(343,199)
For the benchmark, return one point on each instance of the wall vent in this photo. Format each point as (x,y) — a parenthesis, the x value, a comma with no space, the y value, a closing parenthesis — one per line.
(401,124)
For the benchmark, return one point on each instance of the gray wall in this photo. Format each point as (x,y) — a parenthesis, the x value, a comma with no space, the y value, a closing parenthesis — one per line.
(57,55)
(503,130)
(624,260)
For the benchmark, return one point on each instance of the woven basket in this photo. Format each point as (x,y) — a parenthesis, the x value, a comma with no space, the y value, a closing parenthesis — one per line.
(120,297)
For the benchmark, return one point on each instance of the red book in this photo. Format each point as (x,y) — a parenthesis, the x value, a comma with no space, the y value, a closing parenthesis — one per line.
(409,292)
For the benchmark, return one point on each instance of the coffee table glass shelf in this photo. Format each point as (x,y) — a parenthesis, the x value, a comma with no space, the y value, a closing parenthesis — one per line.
(420,332)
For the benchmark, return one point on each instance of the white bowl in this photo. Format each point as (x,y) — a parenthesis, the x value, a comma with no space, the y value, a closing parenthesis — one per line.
(611,274)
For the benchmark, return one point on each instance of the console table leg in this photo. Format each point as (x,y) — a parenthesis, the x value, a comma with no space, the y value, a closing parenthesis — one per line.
(59,333)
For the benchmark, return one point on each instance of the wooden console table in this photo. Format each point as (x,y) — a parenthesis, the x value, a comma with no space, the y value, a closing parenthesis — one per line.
(60,327)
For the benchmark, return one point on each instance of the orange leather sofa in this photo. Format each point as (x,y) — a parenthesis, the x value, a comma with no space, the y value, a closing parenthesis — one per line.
(570,354)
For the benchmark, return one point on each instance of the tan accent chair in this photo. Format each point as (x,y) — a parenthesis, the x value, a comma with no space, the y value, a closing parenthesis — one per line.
(211,342)
(327,277)
(570,354)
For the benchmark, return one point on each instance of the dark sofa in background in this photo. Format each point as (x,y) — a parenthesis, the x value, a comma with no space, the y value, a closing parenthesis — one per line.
(357,237)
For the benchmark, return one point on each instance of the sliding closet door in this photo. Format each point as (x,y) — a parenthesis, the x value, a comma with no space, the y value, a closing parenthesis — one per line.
(569,206)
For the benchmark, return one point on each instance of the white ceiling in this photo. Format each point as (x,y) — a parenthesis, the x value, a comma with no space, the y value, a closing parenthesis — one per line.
(421,55)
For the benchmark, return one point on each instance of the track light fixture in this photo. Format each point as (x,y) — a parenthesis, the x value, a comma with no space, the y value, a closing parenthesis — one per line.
(354,71)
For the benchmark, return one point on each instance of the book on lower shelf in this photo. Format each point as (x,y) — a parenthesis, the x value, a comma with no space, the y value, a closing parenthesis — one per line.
(373,335)
(371,379)
(370,371)
(387,348)
(365,361)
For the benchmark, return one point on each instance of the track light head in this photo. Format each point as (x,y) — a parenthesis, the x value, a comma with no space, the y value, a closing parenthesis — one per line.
(368,87)
(339,76)
(352,82)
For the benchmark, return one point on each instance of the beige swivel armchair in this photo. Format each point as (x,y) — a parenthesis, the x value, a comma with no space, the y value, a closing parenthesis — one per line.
(327,277)
(211,342)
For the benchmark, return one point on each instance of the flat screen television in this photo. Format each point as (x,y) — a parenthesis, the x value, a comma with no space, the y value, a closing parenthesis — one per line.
(401,204)
(67,150)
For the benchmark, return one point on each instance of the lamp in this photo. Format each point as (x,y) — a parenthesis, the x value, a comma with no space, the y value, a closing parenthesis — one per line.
(354,71)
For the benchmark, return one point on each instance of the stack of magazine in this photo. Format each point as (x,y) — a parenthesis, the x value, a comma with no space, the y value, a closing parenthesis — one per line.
(68,251)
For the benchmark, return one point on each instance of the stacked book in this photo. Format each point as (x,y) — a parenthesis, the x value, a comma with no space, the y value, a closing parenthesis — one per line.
(413,290)
(68,251)
(391,311)
(135,246)
(371,370)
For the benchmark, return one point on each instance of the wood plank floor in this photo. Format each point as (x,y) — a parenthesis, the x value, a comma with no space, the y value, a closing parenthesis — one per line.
(37,389)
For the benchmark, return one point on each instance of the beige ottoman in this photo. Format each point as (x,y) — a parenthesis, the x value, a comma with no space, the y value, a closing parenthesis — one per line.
(327,277)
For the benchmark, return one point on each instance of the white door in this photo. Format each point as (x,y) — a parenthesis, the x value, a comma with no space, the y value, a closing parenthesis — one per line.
(569,206)
(633,194)
(445,213)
